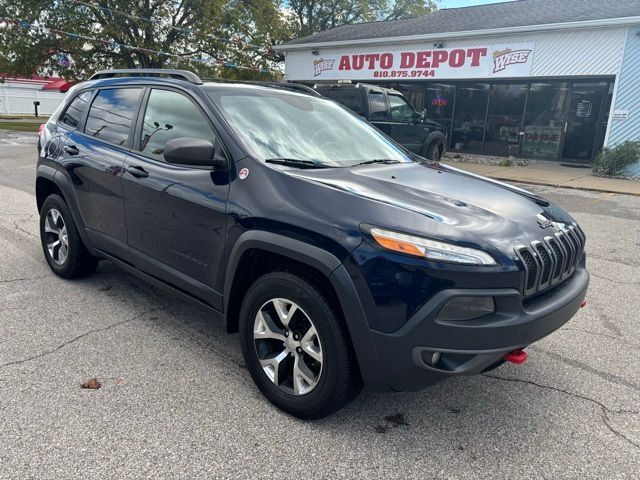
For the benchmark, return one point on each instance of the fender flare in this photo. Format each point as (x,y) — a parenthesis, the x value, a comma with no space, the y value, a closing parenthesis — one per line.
(64,184)
(330,266)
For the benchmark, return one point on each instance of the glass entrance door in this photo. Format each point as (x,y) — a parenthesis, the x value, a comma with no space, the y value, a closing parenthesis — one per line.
(584,120)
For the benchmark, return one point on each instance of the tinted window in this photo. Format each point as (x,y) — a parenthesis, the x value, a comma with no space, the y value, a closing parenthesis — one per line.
(111,114)
(171,115)
(349,98)
(378,107)
(400,110)
(72,115)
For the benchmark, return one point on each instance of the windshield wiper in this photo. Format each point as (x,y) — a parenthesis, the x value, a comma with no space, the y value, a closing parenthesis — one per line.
(295,162)
(386,161)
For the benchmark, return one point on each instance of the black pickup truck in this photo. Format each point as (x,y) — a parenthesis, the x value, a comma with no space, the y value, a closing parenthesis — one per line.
(390,111)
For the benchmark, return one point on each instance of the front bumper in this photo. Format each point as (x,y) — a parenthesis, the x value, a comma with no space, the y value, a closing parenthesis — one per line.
(470,347)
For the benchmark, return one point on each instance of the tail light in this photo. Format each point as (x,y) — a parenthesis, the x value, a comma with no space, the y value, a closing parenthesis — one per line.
(40,129)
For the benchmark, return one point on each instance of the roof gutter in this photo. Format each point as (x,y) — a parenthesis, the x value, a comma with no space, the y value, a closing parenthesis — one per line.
(605,22)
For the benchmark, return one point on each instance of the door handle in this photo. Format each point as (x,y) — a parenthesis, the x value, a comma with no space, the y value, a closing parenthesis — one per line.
(137,172)
(71,149)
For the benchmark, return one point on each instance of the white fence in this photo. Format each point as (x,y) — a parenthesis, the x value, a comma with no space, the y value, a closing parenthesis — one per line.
(20,100)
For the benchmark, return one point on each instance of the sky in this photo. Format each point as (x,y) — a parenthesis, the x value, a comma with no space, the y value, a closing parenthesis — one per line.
(465,3)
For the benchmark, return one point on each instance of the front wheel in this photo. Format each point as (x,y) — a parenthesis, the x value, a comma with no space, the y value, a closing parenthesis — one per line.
(296,346)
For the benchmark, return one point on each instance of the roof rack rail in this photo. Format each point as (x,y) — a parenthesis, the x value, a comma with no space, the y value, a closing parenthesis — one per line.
(148,72)
(296,87)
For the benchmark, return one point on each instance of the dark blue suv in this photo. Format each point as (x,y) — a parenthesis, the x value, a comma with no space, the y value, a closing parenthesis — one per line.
(341,258)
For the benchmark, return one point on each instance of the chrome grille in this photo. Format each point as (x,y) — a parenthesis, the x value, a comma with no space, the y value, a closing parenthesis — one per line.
(551,260)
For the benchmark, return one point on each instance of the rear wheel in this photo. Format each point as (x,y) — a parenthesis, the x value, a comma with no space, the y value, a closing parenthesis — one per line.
(296,346)
(62,246)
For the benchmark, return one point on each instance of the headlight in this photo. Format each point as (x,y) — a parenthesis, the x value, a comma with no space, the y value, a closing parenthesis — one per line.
(431,249)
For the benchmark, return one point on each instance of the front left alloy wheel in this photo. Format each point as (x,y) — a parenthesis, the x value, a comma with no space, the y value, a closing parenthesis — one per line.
(288,346)
(296,346)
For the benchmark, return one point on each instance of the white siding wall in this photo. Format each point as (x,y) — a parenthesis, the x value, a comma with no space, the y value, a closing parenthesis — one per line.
(16,100)
(567,53)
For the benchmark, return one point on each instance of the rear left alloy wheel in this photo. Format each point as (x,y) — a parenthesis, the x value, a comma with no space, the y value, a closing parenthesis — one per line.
(62,246)
(296,346)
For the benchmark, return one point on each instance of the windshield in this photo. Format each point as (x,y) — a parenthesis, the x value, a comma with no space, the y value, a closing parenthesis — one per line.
(278,125)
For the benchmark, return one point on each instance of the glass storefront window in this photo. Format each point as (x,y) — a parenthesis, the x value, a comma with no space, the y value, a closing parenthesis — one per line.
(439,101)
(544,119)
(469,119)
(504,121)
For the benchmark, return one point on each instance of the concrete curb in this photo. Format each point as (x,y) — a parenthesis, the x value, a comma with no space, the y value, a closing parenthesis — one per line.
(561,185)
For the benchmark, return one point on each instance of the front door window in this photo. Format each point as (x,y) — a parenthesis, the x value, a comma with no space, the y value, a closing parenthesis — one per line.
(400,110)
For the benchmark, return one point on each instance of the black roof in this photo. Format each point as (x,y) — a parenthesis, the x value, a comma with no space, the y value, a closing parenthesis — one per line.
(496,15)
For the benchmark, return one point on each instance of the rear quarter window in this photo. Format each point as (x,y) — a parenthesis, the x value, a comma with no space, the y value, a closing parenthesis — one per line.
(75,111)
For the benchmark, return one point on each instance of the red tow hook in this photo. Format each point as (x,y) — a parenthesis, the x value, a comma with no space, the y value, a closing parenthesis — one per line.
(517,357)
(583,303)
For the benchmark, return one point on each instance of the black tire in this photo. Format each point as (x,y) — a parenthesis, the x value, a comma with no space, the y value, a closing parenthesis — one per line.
(433,151)
(78,262)
(339,380)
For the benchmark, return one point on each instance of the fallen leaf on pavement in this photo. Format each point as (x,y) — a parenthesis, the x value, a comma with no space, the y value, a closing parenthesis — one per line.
(92,384)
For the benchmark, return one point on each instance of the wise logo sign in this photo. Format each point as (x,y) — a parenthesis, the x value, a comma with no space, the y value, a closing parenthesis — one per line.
(514,60)
(503,58)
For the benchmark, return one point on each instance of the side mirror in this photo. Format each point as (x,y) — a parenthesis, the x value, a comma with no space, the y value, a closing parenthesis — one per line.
(193,151)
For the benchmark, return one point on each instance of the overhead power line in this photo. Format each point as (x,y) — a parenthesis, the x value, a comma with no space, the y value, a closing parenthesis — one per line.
(77,36)
(171,27)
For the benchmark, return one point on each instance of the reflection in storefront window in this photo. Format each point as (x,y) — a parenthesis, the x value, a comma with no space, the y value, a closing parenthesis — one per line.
(505,119)
(439,102)
(546,108)
(468,123)
(544,119)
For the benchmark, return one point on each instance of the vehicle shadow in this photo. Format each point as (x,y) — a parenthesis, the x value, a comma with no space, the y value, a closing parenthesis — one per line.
(466,418)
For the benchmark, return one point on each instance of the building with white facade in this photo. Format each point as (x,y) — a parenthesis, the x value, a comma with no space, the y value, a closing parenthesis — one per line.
(17,95)
(553,79)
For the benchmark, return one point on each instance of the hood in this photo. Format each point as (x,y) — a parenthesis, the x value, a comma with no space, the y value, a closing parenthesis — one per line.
(491,211)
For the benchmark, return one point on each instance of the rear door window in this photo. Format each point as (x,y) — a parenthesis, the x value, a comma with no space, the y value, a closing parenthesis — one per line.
(349,98)
(76,109)
(378,105)
(171,115)
(111,114)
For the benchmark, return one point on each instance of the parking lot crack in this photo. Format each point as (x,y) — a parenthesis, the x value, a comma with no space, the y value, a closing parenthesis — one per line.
(24,279)
(612,280)
(80,337)
(600,334)
(18,227)
(604,409)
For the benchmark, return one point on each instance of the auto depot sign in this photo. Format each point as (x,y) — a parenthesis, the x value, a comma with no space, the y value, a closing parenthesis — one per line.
(506,60)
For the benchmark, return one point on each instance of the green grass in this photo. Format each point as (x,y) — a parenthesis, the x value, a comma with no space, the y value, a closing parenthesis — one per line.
(19,126)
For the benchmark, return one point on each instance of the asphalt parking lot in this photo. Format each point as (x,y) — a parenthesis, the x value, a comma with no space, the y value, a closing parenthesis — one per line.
(177,401)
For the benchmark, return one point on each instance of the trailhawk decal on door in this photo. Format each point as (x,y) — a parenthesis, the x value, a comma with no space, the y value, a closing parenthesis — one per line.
(504,60)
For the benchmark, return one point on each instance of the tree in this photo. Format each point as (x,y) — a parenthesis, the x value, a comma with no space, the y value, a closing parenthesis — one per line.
(311,16)
(75,38)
